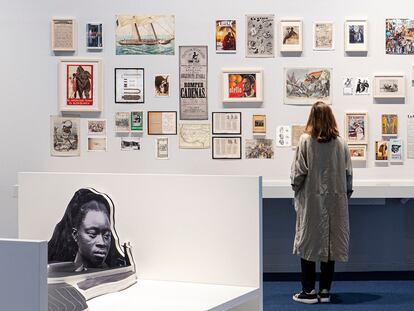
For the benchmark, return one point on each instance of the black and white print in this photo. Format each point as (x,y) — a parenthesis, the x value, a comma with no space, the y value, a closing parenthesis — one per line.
(260,36)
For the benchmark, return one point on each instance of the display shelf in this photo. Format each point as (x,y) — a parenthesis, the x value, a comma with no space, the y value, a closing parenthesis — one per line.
(364,188)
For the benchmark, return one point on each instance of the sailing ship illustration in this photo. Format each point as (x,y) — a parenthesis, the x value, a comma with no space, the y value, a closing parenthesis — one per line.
(144,25)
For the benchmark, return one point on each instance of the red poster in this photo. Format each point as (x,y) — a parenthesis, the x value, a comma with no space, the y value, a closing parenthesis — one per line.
(242,85)
(79,82)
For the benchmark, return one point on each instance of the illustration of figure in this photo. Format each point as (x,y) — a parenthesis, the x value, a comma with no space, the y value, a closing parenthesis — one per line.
(83,82)
(72,81)
(248,83)
(161,86)
(229,41)
(64,139)
(359,132)
(291,34)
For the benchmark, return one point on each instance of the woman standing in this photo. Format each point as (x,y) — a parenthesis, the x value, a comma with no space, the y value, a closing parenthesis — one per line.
(321,178)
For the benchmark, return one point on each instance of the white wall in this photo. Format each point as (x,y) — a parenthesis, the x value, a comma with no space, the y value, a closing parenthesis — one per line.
(29,84)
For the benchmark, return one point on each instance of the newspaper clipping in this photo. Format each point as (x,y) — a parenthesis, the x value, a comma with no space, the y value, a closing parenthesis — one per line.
(63,35)
(193,83)
(162,148)
(226,147)
(226,122)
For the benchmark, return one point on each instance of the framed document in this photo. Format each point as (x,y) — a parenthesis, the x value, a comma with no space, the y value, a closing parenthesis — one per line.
(356,35)
(80,85)
(162,122)
(63,34)
(389,86)
(129,86)
(226,123)
(291,35)
(227,147)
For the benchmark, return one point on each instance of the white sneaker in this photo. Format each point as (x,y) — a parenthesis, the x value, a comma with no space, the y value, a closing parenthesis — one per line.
(309,298)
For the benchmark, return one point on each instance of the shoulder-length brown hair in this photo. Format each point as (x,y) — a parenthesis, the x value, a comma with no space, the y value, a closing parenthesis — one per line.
(321,123)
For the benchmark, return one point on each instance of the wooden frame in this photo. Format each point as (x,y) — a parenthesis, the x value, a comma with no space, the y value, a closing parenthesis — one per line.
(158,125)
(356,42)
(136,94)
(62,43)
(389,86)
(72,97)
(291,35)
(229,157)
(232,119)
(242,85)
(357,132)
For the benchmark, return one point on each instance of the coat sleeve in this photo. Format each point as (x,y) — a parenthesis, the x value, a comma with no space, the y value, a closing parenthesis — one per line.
(299,169)
(348,166)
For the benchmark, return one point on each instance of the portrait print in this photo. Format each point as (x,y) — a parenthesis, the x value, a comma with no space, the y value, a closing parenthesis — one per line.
(356,34)
(242,85)
(381,150)
(162,85)
(290,36)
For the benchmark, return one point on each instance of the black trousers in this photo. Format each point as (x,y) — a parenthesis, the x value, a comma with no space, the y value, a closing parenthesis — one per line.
(309,275)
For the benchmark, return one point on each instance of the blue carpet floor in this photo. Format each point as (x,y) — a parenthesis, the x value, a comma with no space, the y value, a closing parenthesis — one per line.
(346,295)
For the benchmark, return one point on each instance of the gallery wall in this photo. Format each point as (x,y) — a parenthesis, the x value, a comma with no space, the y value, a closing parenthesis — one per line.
(30,91)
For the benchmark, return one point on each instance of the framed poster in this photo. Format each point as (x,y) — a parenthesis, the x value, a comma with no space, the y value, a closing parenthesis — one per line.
(161,152)
(137,121)
(194,136)
(259,124)
(193,82)
(356,35)
(242,85)
(129,86)
(226,123)
(260,35)
(381,150)
(64,136)
(162,85)
(396,150)
(259,148)
(356,128)
(226,35)
(63,34)
(145,34)
(389,125)
(399,36)
(162,122)
(323,36)
(122,122)
(283,136)
(389,86)
(358,152)
(94,36)
(291,35)
(227,147)
(305,86)
(80,85)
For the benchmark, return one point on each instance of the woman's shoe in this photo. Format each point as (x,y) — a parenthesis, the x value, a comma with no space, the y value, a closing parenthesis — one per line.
(309,298)
(324,296)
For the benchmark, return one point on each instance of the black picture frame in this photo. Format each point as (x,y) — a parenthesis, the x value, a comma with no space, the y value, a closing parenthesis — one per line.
(140,101)
(227,158)
(160,133)
(214,131)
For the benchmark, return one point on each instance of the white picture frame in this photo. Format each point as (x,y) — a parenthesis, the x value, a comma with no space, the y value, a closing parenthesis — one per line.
(321,41)
(291,35)
(358,152)
(356,128)
(63,34)
(356,35)
(242,85)
(389,86)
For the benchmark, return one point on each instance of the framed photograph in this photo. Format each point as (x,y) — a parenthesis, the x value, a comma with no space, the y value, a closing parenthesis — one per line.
(389,86)
(358,152)
(323,36)
(162,122)
(260,36)
(145,34)
(399,36)
(80,85)
(194,136)
(297,131)
(242,85)
(291,35)
(356,128)
(259,124)
(94,36)
(96,143)
(283,136)
(226,35)
(356,35)
(396,150)
(96,127)
(305,86)
(381,150)
(226,123)
(161,152)
(362,86)
(389,125)
(129,86)
(130,143)
(64,136)
(259,149)
(162,85)
(227,147)
(137,121)
(122,122)
(63,34)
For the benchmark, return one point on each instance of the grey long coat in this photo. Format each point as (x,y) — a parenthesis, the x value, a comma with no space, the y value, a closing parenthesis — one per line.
(321,177)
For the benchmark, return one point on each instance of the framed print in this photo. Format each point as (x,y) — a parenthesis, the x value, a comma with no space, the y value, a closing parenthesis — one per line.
(80,85)
(227,147)
(137,121)
(259,124)
(130,143)
(396,150)
(389,125)
(259,149)
(305,86)
(362,86)
(226,35)
(193,82)
(297,131)
(381,150)
(129,86)
(162,85)
(161,152)
(291,35)
(63,34)
(226,123)
(399,36)
(162,122)
(389,86)
(260,35)
(323,36)
(145,34)
(356,128)
(122,122)
(348,86)
(358,152)
(96,143)
(194,136)
(64,136)
(94,36)
(96,127)
(283,136)
(356,35)
(242,85)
